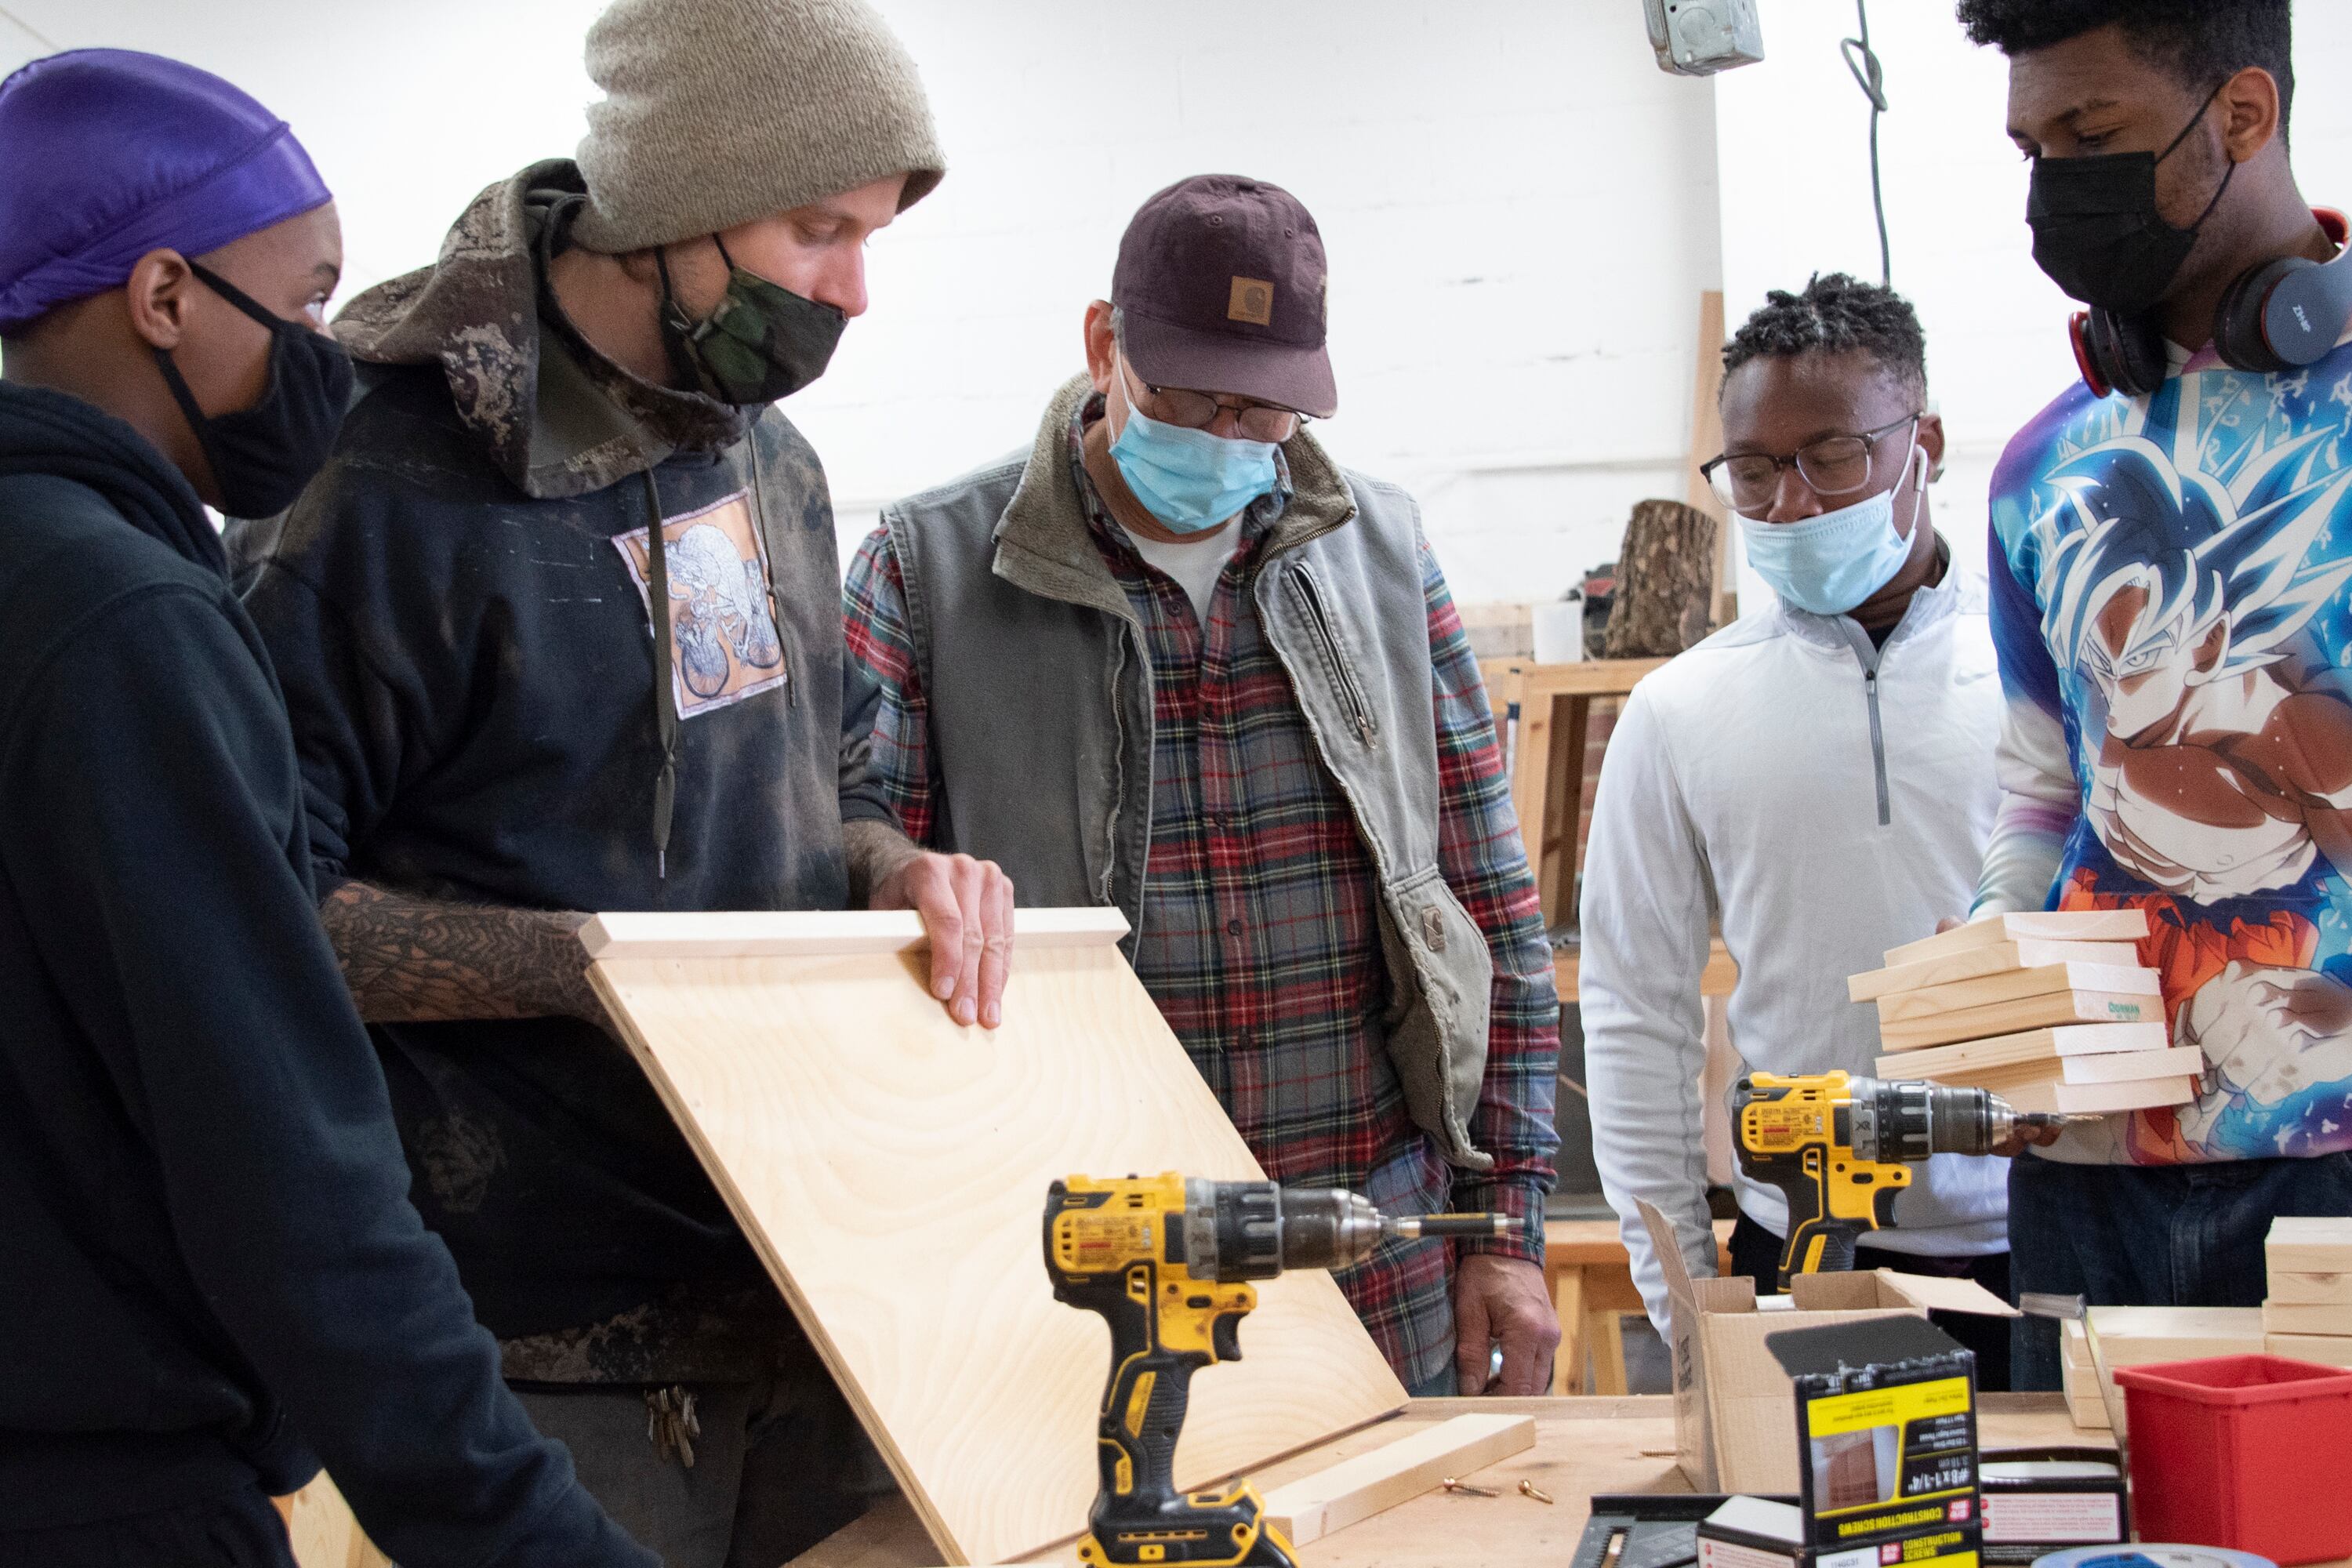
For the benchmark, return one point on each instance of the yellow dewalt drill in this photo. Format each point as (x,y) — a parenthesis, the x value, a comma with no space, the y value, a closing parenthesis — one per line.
(1841,1148)
(1166,1260)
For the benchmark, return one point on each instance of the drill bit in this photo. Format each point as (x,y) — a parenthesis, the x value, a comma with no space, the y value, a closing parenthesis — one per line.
(1412,1227)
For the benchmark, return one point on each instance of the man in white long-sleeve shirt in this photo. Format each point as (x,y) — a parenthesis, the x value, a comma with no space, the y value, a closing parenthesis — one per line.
(1819,777)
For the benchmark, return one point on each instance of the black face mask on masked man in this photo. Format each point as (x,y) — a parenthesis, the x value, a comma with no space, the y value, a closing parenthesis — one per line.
(762,342)
(2097,229)
(262,457)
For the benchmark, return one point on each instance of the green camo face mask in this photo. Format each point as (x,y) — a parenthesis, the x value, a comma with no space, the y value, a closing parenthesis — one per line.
(762,342)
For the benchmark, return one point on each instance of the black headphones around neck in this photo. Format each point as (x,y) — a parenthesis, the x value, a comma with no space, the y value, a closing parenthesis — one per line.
(2279,316)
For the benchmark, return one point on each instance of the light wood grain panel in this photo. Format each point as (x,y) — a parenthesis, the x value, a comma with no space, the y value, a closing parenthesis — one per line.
(2310,1243)
(2014,985)
(891,1168)
(1316,1506)
(1992,959)
(788,933)
(320,1525)
(2025,1013)
(2052,925)
(2032,1046)
(2317,1289)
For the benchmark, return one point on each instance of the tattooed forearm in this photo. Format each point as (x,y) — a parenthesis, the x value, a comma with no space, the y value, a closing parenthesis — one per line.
(411,960)
(874,851)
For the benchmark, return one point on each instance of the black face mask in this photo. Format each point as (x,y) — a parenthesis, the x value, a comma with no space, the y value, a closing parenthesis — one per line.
(762,342)
(2096,230)
(262,457)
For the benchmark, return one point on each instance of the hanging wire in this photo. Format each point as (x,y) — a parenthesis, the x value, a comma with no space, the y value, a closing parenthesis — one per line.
(26,28)
(1867,76)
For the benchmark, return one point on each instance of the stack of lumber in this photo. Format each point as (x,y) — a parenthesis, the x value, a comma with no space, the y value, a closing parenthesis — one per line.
(2307,1314)
(2141,1336)
(2053,1012)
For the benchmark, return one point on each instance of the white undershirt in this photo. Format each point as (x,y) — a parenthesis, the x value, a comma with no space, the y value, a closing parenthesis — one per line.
(1196,562)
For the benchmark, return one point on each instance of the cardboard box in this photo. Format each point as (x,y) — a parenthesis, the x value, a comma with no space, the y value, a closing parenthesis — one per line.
(1732,1401)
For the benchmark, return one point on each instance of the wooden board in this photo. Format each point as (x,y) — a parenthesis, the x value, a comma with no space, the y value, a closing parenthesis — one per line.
(890,1168)
(2306,1317)
(1993,959)
(1357,1489)
(2101,1098)
(1582,1447)
(2314,1289)
(2114,1067)
(2030,1046)
(2025,1013)
(2053,925)
(322,1532)
(2314,1244)
(2014,985)
(806,934)
(2321,1350)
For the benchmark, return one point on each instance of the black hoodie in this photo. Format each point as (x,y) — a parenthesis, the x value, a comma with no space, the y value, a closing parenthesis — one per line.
(205,1241)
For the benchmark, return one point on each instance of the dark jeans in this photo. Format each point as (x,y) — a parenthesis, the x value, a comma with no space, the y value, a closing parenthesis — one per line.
(240,1530)
(1755,1252)
(2152,1236)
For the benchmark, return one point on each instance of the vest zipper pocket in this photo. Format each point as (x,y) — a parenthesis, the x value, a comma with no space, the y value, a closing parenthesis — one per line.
(1310,603)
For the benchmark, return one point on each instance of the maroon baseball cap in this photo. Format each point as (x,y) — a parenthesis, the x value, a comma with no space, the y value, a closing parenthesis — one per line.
(1220,288)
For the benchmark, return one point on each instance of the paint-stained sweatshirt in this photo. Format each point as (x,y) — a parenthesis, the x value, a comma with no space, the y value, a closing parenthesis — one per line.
(209,1267)
(458,610)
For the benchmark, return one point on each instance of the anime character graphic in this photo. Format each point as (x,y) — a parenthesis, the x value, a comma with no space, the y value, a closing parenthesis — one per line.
(2223,762)
(2186,598)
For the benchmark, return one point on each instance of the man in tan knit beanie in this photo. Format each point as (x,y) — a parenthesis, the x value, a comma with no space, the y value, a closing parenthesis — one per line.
(511,707)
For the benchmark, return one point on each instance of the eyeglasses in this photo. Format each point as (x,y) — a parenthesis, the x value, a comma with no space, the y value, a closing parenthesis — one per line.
(1199,410)
(1832,466)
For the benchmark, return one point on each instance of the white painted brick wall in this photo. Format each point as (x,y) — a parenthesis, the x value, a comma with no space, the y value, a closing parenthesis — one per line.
(1520,209)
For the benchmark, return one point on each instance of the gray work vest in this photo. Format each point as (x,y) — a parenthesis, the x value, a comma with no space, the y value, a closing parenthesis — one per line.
(1039,686)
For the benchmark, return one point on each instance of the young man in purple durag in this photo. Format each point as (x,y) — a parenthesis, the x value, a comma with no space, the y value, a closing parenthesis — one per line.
(210,1272)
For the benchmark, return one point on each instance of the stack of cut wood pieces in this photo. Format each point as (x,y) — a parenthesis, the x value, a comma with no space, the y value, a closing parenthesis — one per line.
(2142,1336)
(2307,1314)
(2053,1012)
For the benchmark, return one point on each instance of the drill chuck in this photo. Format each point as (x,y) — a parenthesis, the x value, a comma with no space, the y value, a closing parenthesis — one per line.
(1908,1121)
(1255,1230)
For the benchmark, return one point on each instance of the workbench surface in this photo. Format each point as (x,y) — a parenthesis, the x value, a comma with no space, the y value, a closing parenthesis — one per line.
(1582,1447)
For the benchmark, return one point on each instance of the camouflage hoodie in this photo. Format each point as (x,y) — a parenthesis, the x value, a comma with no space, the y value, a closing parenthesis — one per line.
(458,609)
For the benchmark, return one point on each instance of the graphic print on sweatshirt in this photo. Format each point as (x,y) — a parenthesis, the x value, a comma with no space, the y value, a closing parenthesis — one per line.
(723,621)
(2177,574)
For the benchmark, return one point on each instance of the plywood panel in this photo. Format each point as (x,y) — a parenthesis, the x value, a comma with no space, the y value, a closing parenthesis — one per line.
(1992,959)
(2026,1013)
(891,1167)
(1318,1505)
(2010,985)
(2054,925)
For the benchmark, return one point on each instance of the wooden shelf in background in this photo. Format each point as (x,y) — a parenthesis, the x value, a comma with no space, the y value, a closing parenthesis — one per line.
(1716,980)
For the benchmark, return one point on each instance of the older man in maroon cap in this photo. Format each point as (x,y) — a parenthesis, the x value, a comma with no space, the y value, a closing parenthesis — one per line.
(1174,659)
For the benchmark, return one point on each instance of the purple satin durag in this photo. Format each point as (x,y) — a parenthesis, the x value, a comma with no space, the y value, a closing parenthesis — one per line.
(106,154)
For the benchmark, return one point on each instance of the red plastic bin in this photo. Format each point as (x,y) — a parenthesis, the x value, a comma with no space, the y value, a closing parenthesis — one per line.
(2245,1451)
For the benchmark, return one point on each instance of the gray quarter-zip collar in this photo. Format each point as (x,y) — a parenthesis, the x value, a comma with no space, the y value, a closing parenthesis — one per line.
(1930,607)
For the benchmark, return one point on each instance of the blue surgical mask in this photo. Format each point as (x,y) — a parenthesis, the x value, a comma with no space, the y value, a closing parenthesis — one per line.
(1189,480)
(1830,564)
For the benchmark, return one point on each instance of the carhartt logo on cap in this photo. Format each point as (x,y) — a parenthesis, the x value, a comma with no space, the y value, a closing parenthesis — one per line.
(1252,301)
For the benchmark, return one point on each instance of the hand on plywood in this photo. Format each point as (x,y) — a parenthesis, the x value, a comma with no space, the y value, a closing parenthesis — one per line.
(2022,1138)
(1503,1300)
(967,910)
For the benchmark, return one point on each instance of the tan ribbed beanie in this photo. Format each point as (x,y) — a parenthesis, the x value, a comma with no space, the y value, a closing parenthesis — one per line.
(718,112)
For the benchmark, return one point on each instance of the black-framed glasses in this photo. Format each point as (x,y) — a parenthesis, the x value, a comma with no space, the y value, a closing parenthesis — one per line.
(1199,410)
(1832,466)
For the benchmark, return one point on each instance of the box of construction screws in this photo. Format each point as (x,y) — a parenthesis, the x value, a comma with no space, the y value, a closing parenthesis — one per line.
(2036,1501)
(1887,1444)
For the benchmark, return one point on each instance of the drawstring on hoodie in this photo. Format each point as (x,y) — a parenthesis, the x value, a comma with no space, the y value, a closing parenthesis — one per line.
(665,698)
